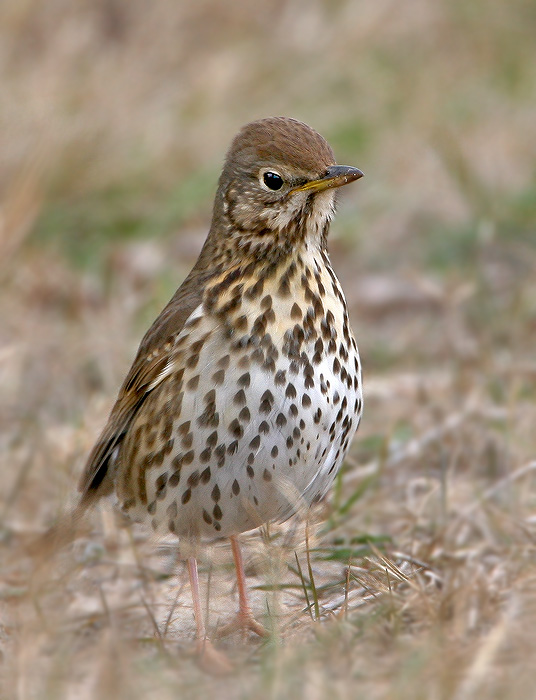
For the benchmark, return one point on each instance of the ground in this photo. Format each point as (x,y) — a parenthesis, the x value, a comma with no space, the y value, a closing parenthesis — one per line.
(417,578)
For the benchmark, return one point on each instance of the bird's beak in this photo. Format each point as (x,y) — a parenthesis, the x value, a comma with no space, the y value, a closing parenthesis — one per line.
(335,176)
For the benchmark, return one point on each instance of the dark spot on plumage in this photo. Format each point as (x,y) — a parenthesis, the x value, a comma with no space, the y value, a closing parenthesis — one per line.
(242,342)
(251,458)
(232,447)
(296,433)
(343,352)
(293,410)
(240,323)
(192,361)
(236,429)
(218,377)
(284,287)
(235,487)
(175,478)
(224,361)
(193,479)
(168,447)
(167,430)
(267,400)
(290,391)
(255,443)
(259,325)
(258,356)
(216,494)
(250,471)
(205,475)
(210,396)
(193,383)
(274,452)
(188,457)
(151,508)
(266,475)
(240,397)
(220,454)
(186,496)
(212,439)
(294,367)
(205,455)
(266,302)
(290,442)
(269,315)
(187,440)
(184,428)
(291,346)
(295,312)
(245,415)
(325,329)
(269,364)
(172,510)
(207,518)
(281,420)
(280,377)
(268,345)
(264,427)
(255,290)
(309,295)
(161,481)
(244,380)
(209,418)
(216,512)
(306,401)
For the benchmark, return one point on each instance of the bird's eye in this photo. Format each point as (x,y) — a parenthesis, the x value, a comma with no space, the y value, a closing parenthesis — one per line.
(273,181)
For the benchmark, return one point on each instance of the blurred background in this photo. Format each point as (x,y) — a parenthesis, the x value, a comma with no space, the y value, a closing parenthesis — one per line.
(115,117)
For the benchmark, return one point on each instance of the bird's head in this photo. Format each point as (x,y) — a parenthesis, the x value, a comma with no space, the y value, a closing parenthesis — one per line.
(278,186)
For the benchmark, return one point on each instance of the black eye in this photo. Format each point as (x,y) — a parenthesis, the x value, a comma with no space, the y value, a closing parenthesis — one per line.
(272,180)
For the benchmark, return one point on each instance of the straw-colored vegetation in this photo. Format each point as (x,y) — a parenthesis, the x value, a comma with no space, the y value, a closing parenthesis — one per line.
(419,579)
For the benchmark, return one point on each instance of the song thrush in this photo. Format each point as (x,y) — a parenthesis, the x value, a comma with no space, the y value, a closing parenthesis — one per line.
(246,390)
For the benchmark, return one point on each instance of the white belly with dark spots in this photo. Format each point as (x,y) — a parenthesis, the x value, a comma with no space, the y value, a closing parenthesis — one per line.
(258,436)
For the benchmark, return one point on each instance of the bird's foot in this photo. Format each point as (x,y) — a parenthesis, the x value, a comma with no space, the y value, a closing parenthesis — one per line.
(212,661)
(244,622)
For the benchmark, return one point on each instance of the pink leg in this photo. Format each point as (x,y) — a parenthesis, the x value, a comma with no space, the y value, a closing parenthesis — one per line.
(244,619)
(211,660)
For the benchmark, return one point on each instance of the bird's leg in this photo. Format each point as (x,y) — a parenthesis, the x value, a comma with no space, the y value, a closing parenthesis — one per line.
(244,620)
(211,660)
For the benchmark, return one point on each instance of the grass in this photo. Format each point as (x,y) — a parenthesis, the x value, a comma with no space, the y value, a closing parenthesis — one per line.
(417,577)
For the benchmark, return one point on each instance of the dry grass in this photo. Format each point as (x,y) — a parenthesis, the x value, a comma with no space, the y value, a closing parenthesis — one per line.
(114,117)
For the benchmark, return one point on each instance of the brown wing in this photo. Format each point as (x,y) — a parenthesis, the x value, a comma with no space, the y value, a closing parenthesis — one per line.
(150,360)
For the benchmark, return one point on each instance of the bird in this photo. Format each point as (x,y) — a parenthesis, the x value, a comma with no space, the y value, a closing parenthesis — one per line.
(246,391)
